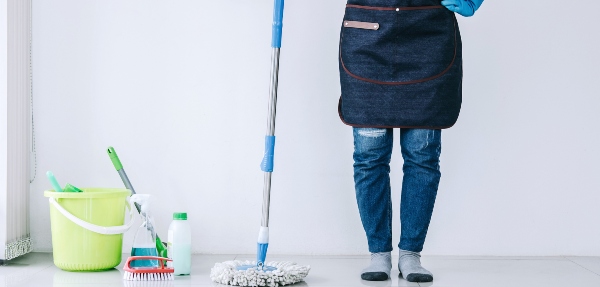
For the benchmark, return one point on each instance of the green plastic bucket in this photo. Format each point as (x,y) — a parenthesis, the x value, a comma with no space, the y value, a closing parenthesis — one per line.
(87,227)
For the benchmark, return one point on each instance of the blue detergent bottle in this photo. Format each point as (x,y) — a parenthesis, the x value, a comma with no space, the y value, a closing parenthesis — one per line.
(145,238)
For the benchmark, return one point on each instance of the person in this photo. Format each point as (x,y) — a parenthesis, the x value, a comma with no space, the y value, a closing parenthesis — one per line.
(400,67)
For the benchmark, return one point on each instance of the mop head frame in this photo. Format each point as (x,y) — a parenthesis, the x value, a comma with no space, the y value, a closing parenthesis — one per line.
(287,273)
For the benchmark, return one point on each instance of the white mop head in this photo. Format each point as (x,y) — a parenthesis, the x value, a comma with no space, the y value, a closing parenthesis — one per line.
(286,273)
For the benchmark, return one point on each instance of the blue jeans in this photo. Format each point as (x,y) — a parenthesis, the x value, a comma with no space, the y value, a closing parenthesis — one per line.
(372,152)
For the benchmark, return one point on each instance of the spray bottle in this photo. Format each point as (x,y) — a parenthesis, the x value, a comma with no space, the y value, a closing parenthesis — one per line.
(145,238)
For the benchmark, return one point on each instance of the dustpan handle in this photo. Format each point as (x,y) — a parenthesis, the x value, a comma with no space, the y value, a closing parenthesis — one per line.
(106,230)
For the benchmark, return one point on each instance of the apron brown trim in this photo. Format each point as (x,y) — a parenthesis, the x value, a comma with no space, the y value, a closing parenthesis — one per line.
(407,82)
(384,127)
(394,8)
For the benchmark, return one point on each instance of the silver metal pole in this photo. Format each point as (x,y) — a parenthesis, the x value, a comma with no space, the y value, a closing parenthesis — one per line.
(273,92)
(270,131)
(128,185)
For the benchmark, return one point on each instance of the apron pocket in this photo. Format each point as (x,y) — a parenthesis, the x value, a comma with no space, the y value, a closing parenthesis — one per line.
(398,46)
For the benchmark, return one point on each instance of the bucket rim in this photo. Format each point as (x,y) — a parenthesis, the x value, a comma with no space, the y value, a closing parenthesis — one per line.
(90,192)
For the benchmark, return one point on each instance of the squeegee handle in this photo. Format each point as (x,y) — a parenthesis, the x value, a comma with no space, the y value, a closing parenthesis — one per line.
(277,23)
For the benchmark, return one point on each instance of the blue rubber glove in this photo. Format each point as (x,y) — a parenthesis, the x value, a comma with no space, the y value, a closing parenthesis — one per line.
(463,7)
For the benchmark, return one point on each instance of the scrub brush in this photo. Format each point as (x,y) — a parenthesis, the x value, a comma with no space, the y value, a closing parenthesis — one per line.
(147,273)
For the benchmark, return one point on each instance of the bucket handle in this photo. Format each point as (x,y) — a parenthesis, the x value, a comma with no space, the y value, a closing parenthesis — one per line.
(110,230)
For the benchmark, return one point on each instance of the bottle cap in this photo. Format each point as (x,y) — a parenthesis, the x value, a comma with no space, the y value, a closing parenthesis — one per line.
(180,216)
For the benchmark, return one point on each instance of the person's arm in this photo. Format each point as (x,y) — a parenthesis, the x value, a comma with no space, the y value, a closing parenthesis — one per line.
(463,7)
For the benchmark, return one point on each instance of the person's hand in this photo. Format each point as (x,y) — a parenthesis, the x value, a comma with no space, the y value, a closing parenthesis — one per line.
(463,7)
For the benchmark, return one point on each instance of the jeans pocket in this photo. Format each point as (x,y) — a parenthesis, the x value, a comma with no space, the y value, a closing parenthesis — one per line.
(395,46)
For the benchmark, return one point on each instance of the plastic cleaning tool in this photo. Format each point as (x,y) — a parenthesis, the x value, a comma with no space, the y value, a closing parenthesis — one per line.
(180,244)
(53,181)
(160,246)
(70,188)
(261,273)
(145,238)
(158,273)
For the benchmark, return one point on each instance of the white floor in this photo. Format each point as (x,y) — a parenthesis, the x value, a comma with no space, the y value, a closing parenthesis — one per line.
(37,269)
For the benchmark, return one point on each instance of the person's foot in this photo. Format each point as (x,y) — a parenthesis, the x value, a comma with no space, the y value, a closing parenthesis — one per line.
(380,267)
(410,267)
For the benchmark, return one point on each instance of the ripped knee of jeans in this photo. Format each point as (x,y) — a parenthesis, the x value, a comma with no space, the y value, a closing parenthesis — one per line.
(371,132)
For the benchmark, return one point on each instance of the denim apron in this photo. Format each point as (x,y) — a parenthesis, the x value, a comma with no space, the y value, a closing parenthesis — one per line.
(400,65)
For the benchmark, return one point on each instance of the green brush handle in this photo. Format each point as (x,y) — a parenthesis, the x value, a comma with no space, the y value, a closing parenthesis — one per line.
(119,167)
(160,246)
(114,158)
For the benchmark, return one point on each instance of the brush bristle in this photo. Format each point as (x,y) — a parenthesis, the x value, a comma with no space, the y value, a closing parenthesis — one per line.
(129,276)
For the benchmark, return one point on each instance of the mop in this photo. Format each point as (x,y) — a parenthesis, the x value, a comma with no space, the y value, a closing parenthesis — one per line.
(259,272)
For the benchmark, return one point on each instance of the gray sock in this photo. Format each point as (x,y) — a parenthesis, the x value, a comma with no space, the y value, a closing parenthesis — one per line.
(380,267)
(410,267)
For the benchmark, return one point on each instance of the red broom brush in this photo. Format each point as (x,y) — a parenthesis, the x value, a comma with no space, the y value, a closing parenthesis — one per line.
(147,273)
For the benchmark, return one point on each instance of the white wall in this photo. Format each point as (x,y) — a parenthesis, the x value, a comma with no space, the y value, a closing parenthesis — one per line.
(180,88)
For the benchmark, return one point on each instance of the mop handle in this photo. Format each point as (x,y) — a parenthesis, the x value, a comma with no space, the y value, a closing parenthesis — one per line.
(267,162)
(277,23)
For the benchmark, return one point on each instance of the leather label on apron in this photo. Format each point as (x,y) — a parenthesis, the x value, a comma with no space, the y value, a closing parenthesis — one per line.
(361,25)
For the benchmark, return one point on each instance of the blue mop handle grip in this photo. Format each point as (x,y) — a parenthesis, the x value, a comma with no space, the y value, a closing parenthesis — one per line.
(267,162)
(277,23)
